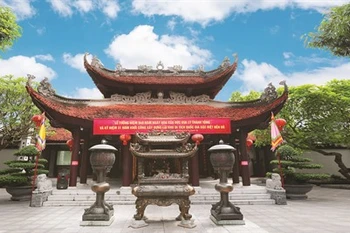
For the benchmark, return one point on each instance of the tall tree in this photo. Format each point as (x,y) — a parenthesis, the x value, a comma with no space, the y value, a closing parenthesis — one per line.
(16,111)
(333,32)
(317,117)
(9,29)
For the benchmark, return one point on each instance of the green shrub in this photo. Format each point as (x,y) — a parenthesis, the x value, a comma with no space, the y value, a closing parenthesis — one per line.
(20,172)
(292,159)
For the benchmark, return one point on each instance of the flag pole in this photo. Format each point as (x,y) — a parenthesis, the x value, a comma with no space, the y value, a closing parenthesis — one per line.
(40,145)
(276,140)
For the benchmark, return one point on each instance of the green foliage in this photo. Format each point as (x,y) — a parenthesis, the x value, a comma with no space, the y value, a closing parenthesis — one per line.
(238,97)
(333,32)
(9,29)
(21,171)
(291,159)
(27,151)
(16,111)
(7,180)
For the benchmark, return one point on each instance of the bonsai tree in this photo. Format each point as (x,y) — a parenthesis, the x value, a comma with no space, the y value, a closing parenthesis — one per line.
(21,169)
(291,160)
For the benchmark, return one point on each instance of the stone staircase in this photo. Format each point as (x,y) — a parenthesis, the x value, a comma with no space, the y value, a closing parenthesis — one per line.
(206,194)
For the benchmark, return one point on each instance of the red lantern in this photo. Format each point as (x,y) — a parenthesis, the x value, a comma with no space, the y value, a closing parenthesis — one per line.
(125,138)
(37,119)
(280,122)
(249,143)
(197,138)
(70,143)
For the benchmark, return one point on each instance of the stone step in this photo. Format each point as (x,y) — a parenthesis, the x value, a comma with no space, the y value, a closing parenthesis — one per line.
(193,202)
(196,197)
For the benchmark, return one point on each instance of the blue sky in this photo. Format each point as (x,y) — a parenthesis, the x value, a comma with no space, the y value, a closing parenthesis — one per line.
(266,35)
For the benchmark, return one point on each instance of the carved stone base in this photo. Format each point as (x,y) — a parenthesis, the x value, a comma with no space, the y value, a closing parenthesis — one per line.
(278,195)
(230,212)
(187,223)
(104,216)
(227,222)
(138,224)
(97,223)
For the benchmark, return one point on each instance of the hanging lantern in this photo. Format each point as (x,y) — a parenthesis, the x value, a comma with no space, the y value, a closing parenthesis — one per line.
(70,143)
(37,119)
(197,138)
(280,122)
(125,138)
(249,143)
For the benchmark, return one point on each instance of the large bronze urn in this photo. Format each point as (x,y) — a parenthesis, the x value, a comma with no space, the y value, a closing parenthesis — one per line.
(222,159)
(102,159)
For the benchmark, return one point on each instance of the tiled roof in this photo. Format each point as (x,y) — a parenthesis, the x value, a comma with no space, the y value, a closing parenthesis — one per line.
(57,135)
(111,81)
(87,112)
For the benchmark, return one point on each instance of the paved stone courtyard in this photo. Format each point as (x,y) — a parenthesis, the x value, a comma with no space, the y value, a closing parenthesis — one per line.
(326,210)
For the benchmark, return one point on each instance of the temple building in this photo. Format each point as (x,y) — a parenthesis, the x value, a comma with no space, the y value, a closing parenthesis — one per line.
(160,99)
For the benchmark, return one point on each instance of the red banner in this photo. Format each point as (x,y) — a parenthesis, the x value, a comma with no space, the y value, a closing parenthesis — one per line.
(134,125)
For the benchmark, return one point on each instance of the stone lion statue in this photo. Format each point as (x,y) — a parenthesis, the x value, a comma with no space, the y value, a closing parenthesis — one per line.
(43,184)
(274,182)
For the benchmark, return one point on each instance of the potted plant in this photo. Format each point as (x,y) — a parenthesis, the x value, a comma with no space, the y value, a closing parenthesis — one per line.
(17,179)
(296,182)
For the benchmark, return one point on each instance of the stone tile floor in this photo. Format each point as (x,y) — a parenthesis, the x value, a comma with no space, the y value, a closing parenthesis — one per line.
(326,210)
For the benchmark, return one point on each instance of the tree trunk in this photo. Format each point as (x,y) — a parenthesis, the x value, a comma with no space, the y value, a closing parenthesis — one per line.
(338,160)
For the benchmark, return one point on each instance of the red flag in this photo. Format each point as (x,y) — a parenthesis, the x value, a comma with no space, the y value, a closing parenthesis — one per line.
(276,137)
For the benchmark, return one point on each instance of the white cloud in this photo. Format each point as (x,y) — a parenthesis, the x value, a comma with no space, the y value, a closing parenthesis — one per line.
(291,60)
(256,76)
(87,93)
(171,24)
(44,57)
(142,46)
(20,66)
(109,8)
(288,55)
(62,7)
(22,8)
(76,61)
(204,12)
(66,8)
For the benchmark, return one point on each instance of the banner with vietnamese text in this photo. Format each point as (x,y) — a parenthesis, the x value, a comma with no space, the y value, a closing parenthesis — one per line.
(135,125)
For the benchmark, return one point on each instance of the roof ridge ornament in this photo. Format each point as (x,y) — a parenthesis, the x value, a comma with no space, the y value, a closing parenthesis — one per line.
(119,68)
(225,63)
(144,68)
(160,66)
(30,78)
(95,62)
(45,88)
(175,69)
(200,69)
(269,93)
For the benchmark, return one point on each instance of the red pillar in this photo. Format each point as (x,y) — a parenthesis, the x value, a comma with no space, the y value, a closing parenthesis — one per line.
(194,170)
(245,158)
(84,160)
(127,166)
(75,158)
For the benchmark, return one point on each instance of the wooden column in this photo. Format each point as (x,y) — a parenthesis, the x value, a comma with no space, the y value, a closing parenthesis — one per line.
(194,172)
(244,156)
(75,158)
(84,162)
(127,165)
(235,169)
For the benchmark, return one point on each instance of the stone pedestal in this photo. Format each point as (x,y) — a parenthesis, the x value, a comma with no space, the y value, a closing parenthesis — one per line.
(279,195)
(100,213)
(224,212)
